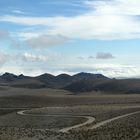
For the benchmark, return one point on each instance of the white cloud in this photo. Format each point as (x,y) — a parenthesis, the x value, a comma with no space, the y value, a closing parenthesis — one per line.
(116,19)
(34,58)
(48,21)
(17,12)
(102,55)
(115,7)
(27,35)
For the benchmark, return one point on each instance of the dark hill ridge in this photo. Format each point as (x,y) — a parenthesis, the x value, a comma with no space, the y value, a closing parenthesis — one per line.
(81,82)
(84,75)
(47,80)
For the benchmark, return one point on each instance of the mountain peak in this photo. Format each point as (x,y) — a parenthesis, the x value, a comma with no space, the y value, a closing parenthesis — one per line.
(88,75)
(46,75)
(7,74)
(7,77)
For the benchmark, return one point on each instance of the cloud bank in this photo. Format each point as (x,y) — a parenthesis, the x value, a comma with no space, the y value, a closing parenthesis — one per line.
(105,20)
(44,41)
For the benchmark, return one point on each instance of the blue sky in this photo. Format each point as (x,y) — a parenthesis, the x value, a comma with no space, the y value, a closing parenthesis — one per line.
(70,36)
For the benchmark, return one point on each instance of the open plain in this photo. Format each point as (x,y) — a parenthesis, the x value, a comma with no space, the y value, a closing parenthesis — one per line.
(53,114)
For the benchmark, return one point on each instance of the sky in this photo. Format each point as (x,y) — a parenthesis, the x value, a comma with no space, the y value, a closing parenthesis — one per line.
(70,36)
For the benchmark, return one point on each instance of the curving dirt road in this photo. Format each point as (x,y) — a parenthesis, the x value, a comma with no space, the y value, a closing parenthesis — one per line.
(64,130)
(90,120)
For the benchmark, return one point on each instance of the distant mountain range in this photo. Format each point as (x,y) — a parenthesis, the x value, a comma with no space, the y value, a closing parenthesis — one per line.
(81,82)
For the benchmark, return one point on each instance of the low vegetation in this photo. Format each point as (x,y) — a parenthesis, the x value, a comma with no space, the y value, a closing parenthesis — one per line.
(51,101)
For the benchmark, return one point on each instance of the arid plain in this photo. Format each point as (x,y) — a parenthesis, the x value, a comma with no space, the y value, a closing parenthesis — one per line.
(53,114)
